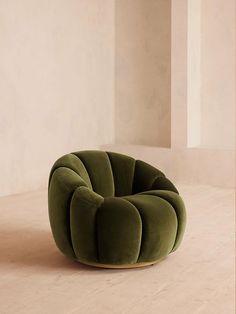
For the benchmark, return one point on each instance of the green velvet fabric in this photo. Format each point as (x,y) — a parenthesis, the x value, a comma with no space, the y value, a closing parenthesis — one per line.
(109,208)
(63,183)
(162,183)
(72,162)
(119,232)
(123,173)
(145,176)
(177,203)
(83,211)
(159,226)
(99,169)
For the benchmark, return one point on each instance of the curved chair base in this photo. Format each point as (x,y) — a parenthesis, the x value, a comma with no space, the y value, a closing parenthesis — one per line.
(136,265)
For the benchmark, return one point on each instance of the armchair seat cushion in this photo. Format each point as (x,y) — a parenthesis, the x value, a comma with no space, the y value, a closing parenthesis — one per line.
(110,210)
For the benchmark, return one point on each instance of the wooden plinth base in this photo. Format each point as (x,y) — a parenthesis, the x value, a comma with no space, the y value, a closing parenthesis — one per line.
(136,265)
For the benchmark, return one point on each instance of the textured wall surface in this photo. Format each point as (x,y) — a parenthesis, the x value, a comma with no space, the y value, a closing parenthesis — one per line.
(194,73)
(179,71)
(81,74)
(218,73)
(143,65)
(56,84)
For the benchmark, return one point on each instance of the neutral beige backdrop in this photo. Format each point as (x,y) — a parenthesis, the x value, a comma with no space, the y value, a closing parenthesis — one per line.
(82,74)
(218,75)
(56,85)
(143,72)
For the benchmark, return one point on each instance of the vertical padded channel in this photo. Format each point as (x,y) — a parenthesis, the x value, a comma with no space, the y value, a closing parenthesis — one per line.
(72,162)
(144,176)
(83,209)
(162,183)
(63,183)
(159,223)
(119,232)
(123,173)
(98,166)
(177,203)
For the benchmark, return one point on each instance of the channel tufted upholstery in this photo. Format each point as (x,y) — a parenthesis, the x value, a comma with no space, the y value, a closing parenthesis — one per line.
(108,209)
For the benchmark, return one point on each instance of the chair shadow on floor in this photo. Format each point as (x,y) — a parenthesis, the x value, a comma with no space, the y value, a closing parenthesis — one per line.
(34,248)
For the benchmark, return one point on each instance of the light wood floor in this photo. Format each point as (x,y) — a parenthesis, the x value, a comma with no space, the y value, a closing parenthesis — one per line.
(197,279)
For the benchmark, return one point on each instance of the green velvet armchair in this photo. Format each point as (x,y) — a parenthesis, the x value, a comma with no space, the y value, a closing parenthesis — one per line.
(110,210)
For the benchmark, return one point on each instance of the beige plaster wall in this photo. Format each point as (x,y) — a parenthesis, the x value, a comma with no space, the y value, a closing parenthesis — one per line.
(56,85)
(218,73)
(179,73)
(194,73)
(143,72)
